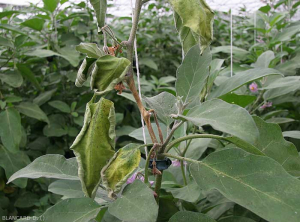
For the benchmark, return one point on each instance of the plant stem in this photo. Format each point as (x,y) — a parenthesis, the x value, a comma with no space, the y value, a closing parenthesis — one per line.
(175,127)
(183,172)
(180,158)
(157,187)
(146,180)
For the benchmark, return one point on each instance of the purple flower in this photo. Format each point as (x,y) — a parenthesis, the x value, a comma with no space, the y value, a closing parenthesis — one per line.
(139,177)
(253,87)
(260,39)
(176,163)
(266,104)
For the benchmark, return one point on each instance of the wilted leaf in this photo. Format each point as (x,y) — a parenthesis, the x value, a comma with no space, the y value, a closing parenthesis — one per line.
(32,110)
(197,16)
(96,139)
(252,182)
(192,74)
(137,204)
(120,167)
(10,129)
(84,71)
(49,166)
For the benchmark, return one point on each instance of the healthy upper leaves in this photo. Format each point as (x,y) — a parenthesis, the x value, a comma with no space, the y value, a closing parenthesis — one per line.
(197,16)
(95,144)
(252,182)
(50,5)
(49,166)
(192,74)
(100,7)
(120,167)
(137,204)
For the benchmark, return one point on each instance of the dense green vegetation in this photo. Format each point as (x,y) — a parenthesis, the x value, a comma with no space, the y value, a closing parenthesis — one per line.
(231,161)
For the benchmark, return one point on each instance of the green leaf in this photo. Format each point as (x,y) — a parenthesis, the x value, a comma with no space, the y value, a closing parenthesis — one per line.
(90,49)
(108,72)
(215,68)
(279,120)
(224,117)
(12,78)
(148,62)
(100,7)
(197,16)
(44,97)
(34,23)
(190,193)
(184,216)
(32,110)
(60,105)
(12,29)
(187,38)
(27,200)
(70,210)
(137,203)
(8,13)
(49,166)
(192,74)
(164,105)
(6,42)
(292,134)
(264,60)
(10,129)
(138,133)
(241,79)
(97,139)
(51,5)
(42,53)
(252,182)
(28,74)
(240,100)
(11,163)
(272,143)
(120,167)
(236,219)
(286,34)
(238,53)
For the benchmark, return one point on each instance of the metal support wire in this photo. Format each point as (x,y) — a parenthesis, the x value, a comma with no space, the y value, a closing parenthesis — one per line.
(231,41)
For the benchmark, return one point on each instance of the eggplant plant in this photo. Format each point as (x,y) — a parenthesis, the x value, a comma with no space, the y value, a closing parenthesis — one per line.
(252,172)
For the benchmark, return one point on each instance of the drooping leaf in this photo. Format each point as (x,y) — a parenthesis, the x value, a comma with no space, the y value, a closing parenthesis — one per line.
(28,74)
(224,117)
(100,7)
(70,210)
(10,129)
(252,182)
(12,78)
(60,105)
(241,79)
(11,163)
(51,5)
(163,105)
(120,167)
(184,216)
(192,74)
(49,166)
(34,23)
(197,16)
(32,110)
(137,204)
(108,72)
(90,49)
(292,134)
(272,143)
(84,71)
(190,193)
(94,145)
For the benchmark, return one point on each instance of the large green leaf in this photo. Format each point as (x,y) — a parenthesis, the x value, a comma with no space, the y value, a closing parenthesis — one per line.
(6,42)
(190,193)
(49,166)
(136,204)
(197,16)
(34,23)
(187,38)
(44,97)
(238,53)
(28,74)
(12,29)
(241,79)
(108,72)
(224,117)
(60,105)
(240,100)
(32,110)
(100,7)
(120,167)
(11,163)
(272,143)
(263,61)
(51,5)
(95,143)
(12,78)
(192,74)
(70,210)
(10,129)
(184,216)
(257,183)
(163,105)
(90,49)
(286,34)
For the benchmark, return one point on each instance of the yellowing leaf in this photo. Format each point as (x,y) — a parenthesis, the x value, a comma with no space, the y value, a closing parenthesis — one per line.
(120,167)
(94,145)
